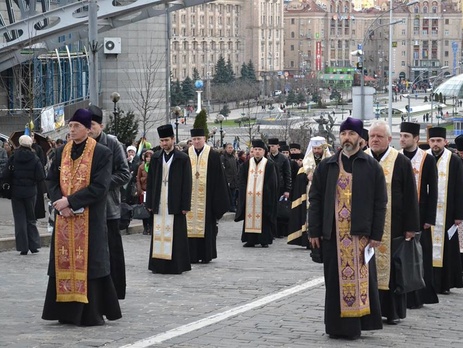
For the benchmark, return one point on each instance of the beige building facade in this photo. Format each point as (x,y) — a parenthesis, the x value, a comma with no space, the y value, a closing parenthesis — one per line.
(321,34)
(239,30)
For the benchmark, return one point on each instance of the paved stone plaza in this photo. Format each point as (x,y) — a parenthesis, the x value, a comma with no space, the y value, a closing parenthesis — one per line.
(246,298)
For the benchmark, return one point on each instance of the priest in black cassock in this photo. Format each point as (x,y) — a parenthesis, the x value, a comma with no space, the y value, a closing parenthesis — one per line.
(424,168)
(80,289)
(208,199)
(168,196)
(257,200)
(446,252)
(402,216)
(346,214)
(459,146)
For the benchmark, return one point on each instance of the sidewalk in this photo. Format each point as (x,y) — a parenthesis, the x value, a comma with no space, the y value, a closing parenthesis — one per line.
(246,298)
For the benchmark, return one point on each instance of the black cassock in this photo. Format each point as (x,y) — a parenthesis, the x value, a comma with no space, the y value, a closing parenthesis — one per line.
(297,225)
(269,201)
(449,276)
(405,217)
(427,203)
(178,200)
(217,204)
(101,293)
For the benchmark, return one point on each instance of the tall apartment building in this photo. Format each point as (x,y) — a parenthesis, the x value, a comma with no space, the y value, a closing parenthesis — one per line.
(321,34)
(239,30)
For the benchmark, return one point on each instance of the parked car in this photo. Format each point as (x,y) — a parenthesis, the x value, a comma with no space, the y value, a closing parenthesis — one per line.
(277,92)
(4,137)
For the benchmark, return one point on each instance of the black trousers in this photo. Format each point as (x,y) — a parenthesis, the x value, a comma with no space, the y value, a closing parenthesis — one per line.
(25,225)
(116,257)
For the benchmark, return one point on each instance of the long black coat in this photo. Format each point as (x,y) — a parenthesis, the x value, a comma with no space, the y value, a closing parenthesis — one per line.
(217,204)
(180,183)
(369,197)
(449,276)
(269,200)
(94,197)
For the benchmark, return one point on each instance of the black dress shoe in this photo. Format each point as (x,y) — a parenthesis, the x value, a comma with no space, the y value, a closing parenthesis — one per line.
(264,245)
(445,292)
(23,253)
(248,245)
(392,321)
(34,251)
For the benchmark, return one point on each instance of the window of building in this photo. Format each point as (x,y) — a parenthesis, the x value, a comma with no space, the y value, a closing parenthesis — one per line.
(185,45)
(447,21)
(446,54)
(404,53)
(293,21)
(182,19)
(174,58)
(403,63)
(292,35)
(183,73)
(425,9)
(292,47)
(446,33)
(446,42)
(201,19)
(193,31)
(292,64)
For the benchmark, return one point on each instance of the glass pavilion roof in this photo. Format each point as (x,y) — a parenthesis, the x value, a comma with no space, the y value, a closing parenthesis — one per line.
(453,87)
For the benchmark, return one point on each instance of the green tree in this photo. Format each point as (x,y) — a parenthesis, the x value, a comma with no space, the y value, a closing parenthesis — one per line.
(300,98)
(221,72)
(126,126)
(251,72)
(225,110)
(201,122)
(196,75)
(291,98)
(188,89)
(230,72)
(176,94)
(244,72)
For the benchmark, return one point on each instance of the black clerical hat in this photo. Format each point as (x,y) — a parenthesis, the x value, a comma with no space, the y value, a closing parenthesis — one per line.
(197,132)
(259,143)
(273,141)
(165,131)
(296,156)
(365,134)
(410,127)
(295,146)
(97,114)
(459,142)
(284,148)
(282,143)
(437,132)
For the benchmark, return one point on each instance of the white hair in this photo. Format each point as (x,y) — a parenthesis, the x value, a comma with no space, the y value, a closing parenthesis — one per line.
(381,124)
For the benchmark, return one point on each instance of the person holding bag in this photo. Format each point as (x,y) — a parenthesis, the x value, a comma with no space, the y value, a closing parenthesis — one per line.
(142,177)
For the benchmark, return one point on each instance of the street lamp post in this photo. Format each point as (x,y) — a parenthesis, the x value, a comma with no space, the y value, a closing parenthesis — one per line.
(177,114)
(115,97)
(220,118)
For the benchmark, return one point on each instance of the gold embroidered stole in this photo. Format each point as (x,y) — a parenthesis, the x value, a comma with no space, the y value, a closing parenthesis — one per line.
(352,270)
(71,233)
(383,252)
(163,222)
(196,217)
(417,164)
(438,230)
(296,204)
(254,195)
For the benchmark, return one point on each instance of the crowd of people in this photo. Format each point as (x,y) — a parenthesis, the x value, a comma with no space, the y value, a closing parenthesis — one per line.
(335,202)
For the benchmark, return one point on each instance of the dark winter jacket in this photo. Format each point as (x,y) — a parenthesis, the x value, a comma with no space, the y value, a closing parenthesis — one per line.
(26,171)
(369,198)
(283,172)
(230,166)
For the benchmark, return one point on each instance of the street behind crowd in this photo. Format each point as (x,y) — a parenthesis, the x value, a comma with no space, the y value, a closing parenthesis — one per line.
(248,297)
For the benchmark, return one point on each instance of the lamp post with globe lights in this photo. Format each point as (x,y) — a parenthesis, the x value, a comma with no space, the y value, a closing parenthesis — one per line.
(115,97)
(199,85)
(220,119)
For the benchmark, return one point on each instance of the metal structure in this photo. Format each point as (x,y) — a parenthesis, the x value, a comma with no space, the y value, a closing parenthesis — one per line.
(44,29)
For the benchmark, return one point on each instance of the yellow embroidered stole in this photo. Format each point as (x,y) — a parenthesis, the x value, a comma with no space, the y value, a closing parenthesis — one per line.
(417,164)
(254,195)
(163,222)
(438,230)
(71,234)
(383,252)
(352,270)
(196,217)
(296,204)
